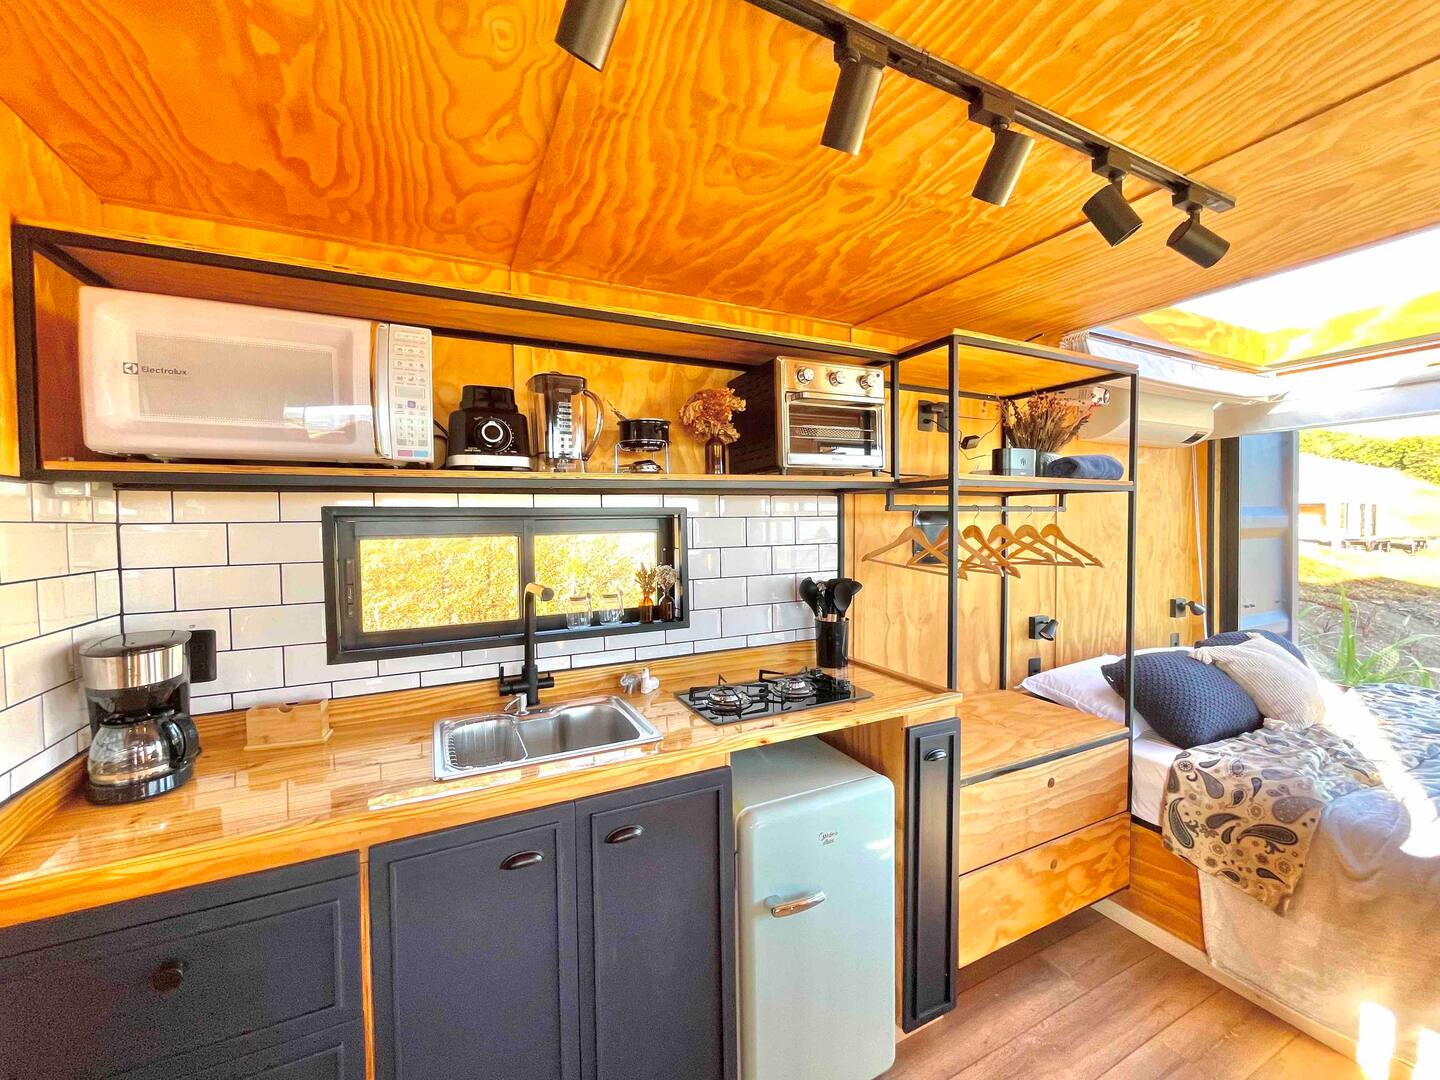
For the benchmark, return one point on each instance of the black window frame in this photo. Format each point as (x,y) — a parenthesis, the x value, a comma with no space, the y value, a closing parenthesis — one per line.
(343,526)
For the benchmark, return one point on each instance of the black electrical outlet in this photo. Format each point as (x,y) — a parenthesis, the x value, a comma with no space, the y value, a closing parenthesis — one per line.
(1174,640)
(1033,667)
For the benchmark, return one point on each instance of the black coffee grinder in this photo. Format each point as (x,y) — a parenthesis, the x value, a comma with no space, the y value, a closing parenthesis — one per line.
(143,741)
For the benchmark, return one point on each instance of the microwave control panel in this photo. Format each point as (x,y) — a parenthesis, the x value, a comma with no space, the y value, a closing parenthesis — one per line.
(405,382)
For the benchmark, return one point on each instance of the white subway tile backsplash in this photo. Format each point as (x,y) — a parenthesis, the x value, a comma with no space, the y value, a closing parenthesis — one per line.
(695,505)
(217,620)
(829,504)
(719,644)
(632,500)
(657,652)
(703,624)
(226,506)
(302,583)
(29,551)
(378,685)
(735,621)
(635,641)
(64,710)
(66,601)
(148,590)
(102,502)
(458,675)
(820,530)
(307,664)
(794,505)
(92,547)
(716,593)
(37,665)
(281,695)
(572,647)
(292,624)
(107,593)
(717,532)
(770,531)
(22,734)
(573,501)
(414,498)
(774,589)
(829,558)
(81,636)
(306,505)
(14,501)
(497,498)
(19,612)
(783,637)
(136,507)
(704,562)
(226,586)
(500,654)
(48,504)
(402,665)
(47,761)
(173,545)
(278,543)
(246,669)
(744,561)
(793,617)
(801,558)
(210,703)
(548,663)
(744,505)
(599,659)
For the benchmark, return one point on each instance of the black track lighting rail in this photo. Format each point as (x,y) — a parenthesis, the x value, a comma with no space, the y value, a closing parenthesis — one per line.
(916,63)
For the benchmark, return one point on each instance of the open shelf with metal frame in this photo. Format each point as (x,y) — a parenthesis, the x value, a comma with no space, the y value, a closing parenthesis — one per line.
(975,366)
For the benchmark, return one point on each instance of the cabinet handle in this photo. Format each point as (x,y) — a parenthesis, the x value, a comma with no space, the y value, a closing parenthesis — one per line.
(522,859)
(625,832)
(936,755)
(1050,782)
(168,976)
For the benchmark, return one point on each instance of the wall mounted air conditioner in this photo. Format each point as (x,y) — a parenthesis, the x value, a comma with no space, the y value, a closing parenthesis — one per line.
(1168,417)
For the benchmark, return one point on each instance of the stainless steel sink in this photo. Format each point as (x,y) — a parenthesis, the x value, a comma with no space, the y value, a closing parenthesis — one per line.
(467,745)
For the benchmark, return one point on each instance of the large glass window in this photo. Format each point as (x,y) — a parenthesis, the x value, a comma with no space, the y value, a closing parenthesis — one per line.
(409,581)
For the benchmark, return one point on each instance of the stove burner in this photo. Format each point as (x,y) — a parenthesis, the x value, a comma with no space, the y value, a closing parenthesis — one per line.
(770,693)
(794,687)
(727,700)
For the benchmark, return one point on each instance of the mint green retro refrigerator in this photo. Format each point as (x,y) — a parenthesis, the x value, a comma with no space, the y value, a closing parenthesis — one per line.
(815,882)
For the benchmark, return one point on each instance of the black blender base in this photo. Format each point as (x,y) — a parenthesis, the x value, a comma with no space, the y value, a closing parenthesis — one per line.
(112,794)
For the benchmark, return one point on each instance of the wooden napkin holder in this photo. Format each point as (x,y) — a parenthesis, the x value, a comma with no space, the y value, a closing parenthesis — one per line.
(294,723)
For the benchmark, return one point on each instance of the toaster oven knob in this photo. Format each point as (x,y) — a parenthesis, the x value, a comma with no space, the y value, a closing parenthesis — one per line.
(866,380)
(804,375)
(836,378)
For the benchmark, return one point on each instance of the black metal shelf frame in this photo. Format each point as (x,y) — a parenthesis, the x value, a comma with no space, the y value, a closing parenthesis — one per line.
(954,483)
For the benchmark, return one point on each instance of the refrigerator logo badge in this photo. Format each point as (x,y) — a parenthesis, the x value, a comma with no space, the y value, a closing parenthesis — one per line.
(827,838)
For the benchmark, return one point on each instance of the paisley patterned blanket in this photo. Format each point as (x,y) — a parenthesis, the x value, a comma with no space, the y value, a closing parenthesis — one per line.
(1246,809)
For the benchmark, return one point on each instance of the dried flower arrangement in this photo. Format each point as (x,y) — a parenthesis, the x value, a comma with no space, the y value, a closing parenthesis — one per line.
(709,412)
(648,578)
(666,577)
(1045,422)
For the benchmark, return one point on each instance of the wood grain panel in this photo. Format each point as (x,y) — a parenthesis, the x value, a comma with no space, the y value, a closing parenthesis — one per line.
(1003,729)
(1164,888)
(1331,164)
(57,348)
(420,126)
(1010,813)
(34,182)
(1007,900)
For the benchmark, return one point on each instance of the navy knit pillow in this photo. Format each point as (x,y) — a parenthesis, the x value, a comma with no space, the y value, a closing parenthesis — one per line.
(1239,637)
(1187,703)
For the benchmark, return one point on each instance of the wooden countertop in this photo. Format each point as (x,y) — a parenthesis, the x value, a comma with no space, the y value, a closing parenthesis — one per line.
(1004,730)
(373,782)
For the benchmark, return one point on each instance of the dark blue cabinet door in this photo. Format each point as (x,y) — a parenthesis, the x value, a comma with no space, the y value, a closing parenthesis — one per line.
(337,1054)
(473,935)
(656,889)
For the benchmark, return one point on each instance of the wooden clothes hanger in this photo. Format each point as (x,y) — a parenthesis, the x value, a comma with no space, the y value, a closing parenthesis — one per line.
(1028,538)
(982,550)
(1053,534)
(914,536)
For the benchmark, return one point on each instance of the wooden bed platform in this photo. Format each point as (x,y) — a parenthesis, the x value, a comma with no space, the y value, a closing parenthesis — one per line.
(1164,889)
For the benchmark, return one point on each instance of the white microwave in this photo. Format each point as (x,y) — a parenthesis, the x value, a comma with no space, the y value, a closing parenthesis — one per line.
(168,377)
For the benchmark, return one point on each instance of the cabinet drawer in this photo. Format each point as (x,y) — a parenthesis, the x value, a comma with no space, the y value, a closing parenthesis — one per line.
(1016,811)
(336,1054)
(1006,900)
(174,984)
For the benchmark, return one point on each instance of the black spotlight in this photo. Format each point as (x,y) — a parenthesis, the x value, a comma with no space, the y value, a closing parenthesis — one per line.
(1197,243)
(587,29)
(1002,168)
(1043,628)
(862,62)
(1113,217)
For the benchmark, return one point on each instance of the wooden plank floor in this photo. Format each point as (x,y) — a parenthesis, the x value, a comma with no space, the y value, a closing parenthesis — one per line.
(1087,998)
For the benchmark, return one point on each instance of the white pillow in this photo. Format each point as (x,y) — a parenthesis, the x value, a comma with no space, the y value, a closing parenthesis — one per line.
(1286,691)
(1081,686)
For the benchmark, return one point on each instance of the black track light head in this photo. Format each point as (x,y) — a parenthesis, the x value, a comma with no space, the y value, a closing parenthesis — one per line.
(862,63)
(1007,155)
(587,29)
(1043,628)
(1113,217)
(1197,243)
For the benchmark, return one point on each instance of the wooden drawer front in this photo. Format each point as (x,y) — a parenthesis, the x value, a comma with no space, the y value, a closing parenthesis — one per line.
(1007,900)
(179,994)
(1016,811)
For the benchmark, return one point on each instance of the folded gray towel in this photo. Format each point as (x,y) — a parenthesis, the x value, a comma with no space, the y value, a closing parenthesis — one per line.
(1086,467)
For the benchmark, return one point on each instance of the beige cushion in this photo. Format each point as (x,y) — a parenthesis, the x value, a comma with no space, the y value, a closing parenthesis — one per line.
(1286,691)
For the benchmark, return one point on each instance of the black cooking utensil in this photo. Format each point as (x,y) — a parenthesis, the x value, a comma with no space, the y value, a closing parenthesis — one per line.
(810,593)
(842,594)
(822,606)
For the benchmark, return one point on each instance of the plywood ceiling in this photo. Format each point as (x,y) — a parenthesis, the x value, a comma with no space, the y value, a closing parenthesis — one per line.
(692,164)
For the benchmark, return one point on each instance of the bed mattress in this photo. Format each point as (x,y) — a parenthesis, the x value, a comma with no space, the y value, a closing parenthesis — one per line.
(1150,768)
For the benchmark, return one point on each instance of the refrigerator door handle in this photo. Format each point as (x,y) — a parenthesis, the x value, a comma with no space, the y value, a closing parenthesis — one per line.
(783,908)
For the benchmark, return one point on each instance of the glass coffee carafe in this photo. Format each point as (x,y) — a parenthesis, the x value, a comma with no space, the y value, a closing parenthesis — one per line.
(135,755)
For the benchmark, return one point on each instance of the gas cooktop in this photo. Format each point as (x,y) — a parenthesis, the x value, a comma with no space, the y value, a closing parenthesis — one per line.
(770,693)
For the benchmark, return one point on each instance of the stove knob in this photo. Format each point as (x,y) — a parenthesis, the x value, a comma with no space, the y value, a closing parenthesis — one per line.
(804,375)
(866,380)
(836,378)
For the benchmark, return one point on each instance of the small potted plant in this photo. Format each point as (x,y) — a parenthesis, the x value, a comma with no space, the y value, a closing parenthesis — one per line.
(1036,429)
(647,577)
(708,417)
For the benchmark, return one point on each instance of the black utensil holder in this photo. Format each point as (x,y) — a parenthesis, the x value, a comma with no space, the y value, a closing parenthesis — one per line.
(832,644)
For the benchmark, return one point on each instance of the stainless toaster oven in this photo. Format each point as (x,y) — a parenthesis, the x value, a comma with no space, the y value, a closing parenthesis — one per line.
(811,416)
